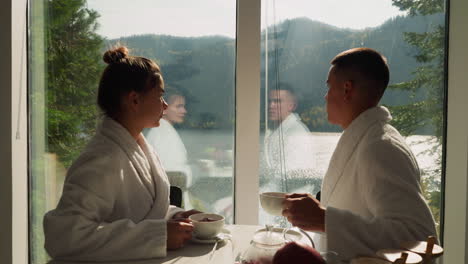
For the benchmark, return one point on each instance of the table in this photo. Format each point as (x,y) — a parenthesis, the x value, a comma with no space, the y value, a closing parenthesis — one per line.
(226,252)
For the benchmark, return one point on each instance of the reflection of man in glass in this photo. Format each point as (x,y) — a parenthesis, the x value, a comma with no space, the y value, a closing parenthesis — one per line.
(165,139)
(287,148)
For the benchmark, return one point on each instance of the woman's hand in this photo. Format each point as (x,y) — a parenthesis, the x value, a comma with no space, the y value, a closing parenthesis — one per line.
(185,214)
(304,211)
(178,232)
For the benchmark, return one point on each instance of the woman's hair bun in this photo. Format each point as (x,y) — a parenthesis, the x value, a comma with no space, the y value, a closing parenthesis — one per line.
(115,55)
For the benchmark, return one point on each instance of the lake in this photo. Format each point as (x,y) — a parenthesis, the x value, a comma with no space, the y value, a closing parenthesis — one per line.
(210,155)
(218,145)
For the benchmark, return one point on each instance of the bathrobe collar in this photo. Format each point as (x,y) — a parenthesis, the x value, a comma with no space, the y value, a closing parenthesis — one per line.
(137,155)
(291,120)
(347,144)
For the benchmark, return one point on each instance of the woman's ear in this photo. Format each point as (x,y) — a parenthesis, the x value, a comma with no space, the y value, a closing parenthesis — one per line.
(132,100)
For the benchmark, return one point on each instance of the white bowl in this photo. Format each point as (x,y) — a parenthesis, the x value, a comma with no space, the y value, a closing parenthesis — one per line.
(272,202)
(207,230)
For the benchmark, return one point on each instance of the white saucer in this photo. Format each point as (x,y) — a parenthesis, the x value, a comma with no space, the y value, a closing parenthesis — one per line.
(221,237)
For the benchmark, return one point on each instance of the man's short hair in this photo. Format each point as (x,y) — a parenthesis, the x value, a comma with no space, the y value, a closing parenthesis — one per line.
(287,87)
(367,62)
(170,93)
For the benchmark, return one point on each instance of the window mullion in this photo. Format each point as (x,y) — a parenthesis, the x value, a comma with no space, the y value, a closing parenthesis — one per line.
(456,205)
(13,144)
(247,111)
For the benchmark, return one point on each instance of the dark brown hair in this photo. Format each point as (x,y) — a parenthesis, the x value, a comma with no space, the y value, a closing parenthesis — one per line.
(171,93)
(123,74)
(367,62)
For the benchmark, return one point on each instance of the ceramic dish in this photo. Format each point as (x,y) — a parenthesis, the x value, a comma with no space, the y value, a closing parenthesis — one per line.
(221,237)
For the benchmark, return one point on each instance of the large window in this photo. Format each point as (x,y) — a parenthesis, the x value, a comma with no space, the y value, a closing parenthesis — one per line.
(196,52)
(300,38)
(195,44)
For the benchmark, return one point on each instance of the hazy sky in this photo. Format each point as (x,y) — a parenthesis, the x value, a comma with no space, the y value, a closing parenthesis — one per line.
(217,17)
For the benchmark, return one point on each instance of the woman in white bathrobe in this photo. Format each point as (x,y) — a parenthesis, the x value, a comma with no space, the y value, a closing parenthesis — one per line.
(371,196)
(115,201)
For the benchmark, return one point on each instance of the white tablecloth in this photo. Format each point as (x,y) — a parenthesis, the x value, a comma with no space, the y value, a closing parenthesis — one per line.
(226,252)
(193,252)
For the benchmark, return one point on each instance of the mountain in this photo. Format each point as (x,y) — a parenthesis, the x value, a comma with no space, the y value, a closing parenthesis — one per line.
(299,54)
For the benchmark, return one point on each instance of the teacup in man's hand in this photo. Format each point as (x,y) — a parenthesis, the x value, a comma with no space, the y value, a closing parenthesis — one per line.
(304,211)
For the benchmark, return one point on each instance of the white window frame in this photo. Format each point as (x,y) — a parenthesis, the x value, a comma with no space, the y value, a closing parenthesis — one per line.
(456,177)
(13,149)
(13,142)
(247,112)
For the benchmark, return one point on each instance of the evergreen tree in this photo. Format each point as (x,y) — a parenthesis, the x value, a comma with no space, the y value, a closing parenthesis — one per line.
(73,71)
(428,78)
(72,68)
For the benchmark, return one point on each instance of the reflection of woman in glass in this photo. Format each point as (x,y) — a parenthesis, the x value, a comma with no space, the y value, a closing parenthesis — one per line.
(115,201)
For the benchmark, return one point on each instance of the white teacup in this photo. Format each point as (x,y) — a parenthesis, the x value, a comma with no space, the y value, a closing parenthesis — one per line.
(272,202)
(207,226)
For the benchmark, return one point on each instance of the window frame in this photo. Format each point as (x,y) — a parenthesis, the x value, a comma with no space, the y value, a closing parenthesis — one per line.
(455,224)
(13,144)
(247,112)
(13,150)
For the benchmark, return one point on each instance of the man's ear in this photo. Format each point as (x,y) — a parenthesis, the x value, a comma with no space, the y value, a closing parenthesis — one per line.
(293,106)
(348,88)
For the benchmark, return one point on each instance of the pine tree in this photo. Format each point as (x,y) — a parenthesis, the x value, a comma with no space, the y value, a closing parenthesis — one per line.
(428,79)
(73,71)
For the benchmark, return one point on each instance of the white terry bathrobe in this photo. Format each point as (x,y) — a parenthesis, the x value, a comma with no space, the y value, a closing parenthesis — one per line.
(290,145)
(171,149)
(371,190)
(115,202)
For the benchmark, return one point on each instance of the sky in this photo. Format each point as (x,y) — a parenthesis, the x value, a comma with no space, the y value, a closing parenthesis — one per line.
(193,18)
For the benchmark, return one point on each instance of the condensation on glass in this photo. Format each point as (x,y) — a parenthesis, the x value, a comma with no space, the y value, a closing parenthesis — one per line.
(299,39)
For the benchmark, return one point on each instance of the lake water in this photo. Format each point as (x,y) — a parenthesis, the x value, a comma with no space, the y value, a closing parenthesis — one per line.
(218,145)
(211,156)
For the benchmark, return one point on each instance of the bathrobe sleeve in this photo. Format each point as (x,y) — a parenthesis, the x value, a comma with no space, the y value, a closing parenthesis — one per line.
(172,211)
(79,229)
(389,180)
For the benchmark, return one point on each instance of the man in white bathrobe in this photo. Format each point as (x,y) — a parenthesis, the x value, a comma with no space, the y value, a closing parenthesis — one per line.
(170,148)
(371,195)
(287,146)
(166,140)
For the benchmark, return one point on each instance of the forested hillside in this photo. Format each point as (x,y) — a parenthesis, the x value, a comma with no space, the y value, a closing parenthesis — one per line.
(299,54)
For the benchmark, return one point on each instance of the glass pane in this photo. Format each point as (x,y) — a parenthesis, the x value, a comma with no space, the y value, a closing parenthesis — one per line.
(299,39)
(195,48)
